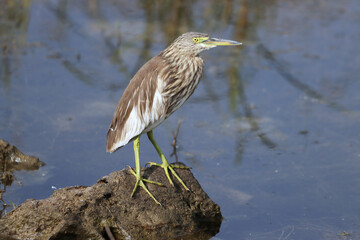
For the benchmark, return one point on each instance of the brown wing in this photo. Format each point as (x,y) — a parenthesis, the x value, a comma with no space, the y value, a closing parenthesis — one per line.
(131,116)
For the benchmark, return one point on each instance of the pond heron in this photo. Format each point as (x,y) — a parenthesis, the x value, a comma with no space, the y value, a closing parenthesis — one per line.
(157,90)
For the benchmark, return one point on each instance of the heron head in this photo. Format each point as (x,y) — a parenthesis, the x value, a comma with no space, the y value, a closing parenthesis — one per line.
(194,43)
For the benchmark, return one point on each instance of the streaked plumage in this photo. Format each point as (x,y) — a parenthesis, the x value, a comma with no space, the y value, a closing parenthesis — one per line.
(158,89)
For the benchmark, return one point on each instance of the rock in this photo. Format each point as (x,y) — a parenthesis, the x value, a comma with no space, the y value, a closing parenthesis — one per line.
(16,160)
(11,160)
(87,212)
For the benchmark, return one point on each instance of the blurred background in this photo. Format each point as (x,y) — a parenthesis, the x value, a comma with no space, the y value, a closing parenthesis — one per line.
(271,133)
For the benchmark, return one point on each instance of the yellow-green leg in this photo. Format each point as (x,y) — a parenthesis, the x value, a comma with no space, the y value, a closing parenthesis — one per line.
(165,164)
(139,180)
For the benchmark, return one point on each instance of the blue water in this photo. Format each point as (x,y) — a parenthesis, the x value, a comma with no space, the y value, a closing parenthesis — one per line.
(271,133)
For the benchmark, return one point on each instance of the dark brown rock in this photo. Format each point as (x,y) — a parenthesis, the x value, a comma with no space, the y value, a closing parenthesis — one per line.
(11,160)
(15,160)
(83,212)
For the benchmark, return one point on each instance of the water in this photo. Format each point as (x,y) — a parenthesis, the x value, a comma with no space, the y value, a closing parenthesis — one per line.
(272,132)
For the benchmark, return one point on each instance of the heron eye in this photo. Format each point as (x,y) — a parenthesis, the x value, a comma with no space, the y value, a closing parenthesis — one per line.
(196,40)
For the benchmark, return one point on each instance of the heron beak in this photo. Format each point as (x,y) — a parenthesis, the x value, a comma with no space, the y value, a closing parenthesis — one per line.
(220,42)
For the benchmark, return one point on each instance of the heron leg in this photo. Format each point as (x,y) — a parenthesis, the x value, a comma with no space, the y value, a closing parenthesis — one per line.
(139,180)
(165,164)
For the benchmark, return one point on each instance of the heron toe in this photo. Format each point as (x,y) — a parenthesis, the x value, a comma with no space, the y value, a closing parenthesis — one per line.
(140,182)
(166,166)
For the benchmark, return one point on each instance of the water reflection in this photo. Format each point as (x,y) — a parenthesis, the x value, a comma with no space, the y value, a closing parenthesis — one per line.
(280,67)
(14,18)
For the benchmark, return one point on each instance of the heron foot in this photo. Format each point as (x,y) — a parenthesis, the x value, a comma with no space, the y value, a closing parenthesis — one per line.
(166,166)
(140,182)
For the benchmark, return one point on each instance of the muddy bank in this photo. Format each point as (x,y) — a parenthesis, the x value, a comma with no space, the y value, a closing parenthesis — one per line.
(88,212)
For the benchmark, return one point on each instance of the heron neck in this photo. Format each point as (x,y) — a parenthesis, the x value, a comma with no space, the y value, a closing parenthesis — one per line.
(176,56)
